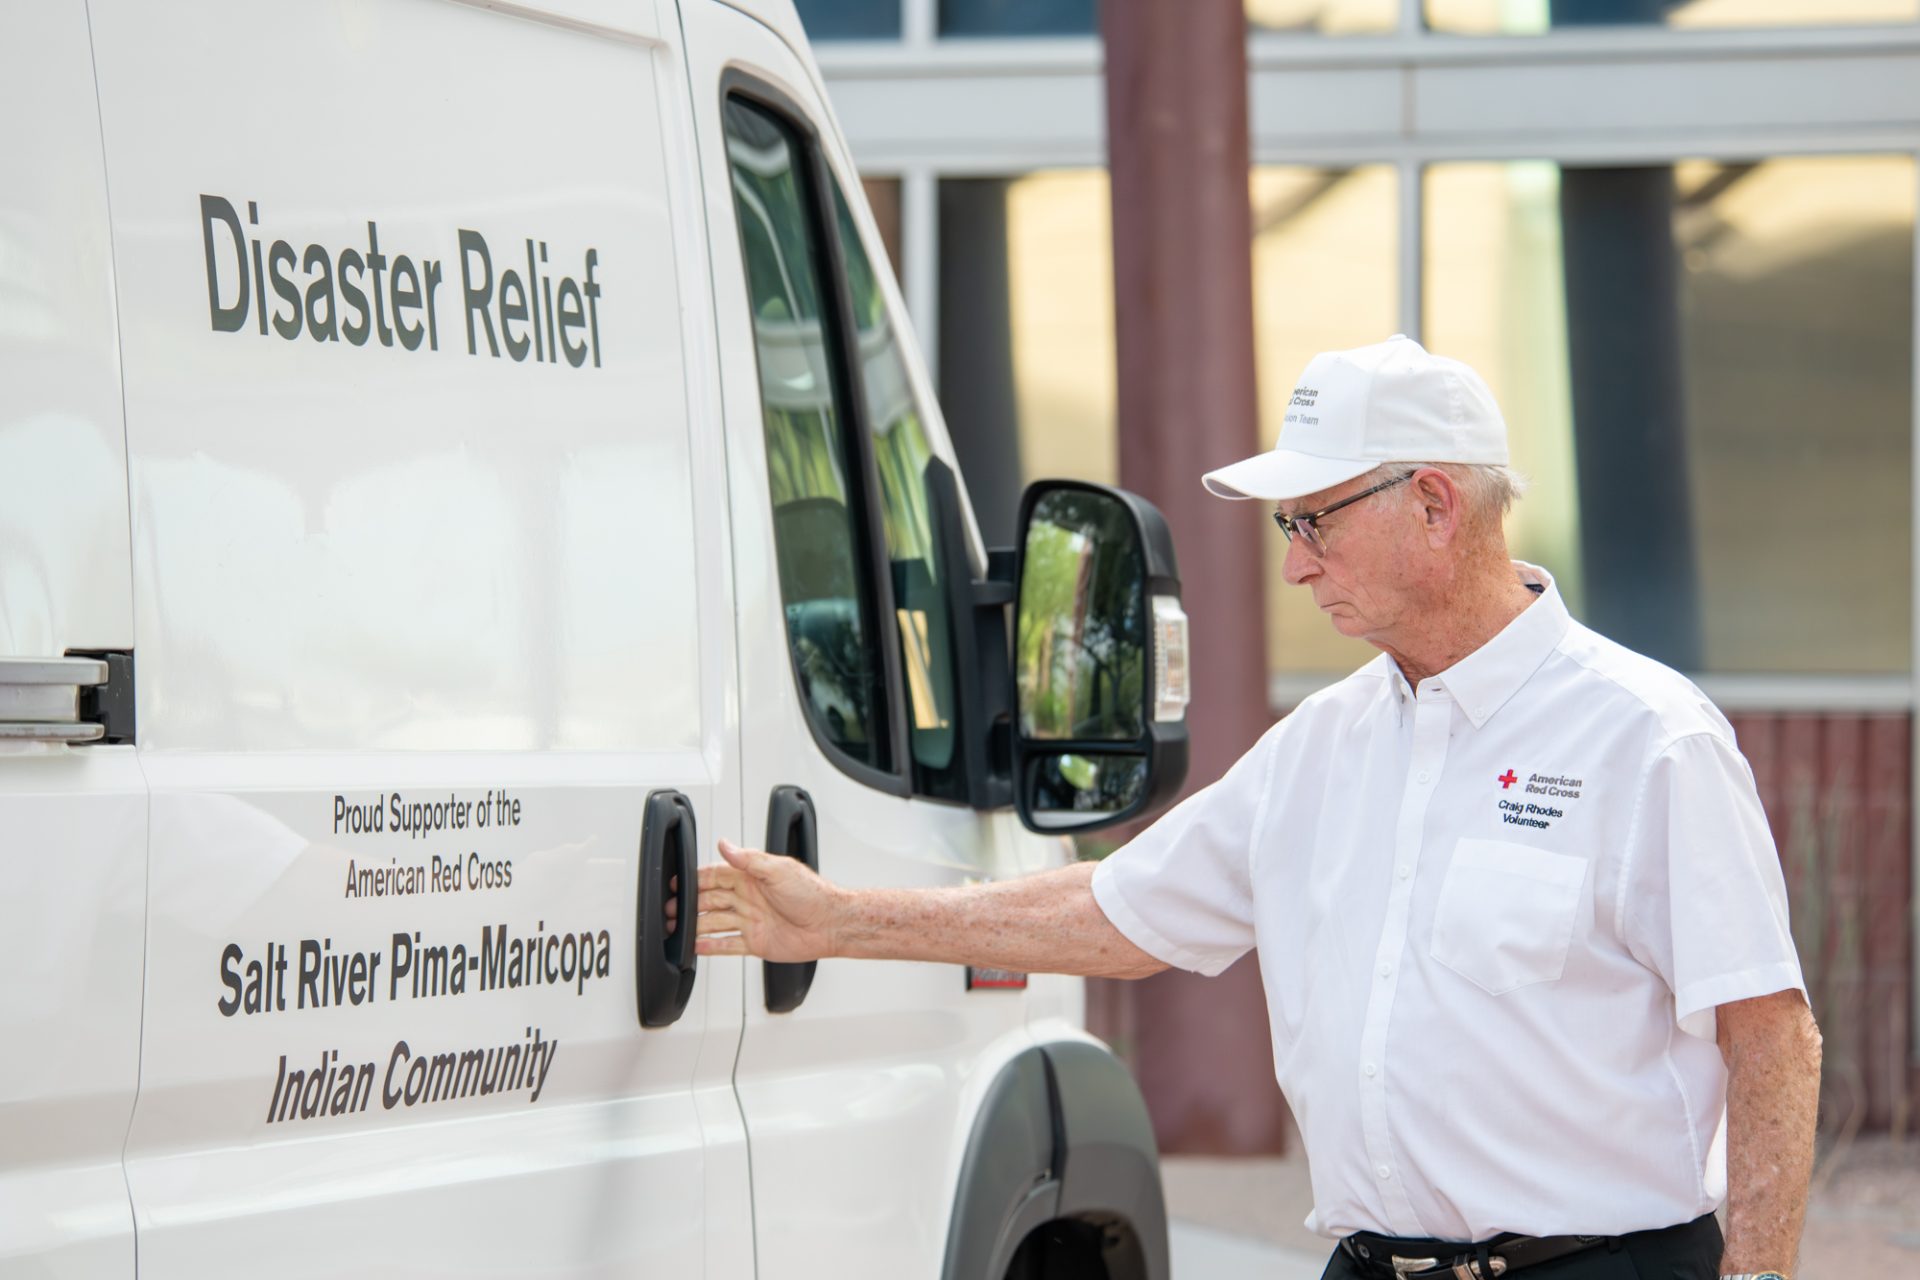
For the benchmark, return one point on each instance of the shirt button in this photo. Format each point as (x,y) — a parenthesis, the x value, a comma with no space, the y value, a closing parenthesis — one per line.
(1403,873)
(1371,1070)
(1386,971)
(1424,775)
(1384,1172)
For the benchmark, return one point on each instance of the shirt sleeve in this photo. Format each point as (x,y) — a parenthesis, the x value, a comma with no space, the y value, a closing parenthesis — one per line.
(1704,902)
(1182,889)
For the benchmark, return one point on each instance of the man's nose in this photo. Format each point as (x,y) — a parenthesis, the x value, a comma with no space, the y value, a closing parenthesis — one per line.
(1301,564)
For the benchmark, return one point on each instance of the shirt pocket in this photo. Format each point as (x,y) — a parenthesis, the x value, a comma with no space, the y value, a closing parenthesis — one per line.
(1506,913)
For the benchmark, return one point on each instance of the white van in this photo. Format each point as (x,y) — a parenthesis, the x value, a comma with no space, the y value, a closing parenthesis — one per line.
(457,461)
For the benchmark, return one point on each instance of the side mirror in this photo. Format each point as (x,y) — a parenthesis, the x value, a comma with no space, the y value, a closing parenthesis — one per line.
(1100,657)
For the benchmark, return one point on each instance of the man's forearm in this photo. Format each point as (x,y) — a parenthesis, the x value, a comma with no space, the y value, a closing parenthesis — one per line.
(1043,923)
(1773,1096)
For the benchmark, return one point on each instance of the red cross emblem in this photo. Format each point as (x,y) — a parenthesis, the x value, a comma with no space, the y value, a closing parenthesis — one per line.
(1506,779)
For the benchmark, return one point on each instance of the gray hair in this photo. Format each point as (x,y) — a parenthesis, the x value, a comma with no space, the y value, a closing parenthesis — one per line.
(1490,489)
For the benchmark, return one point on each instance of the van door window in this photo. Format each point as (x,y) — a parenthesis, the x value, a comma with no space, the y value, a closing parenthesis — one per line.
(901,454)
(814,470)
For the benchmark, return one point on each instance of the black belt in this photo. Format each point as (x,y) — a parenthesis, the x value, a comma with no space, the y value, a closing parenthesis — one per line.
(1388,1256)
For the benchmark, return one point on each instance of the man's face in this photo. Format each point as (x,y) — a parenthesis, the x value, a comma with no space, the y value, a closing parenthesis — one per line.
(1363,580)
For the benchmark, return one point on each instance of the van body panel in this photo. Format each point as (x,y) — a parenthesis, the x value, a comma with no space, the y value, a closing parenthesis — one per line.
(420,583)
(274,476)
(782,17)
(63,464)
(74,854)
(642,20)
(73,823)
(237,1155)
(382,375)
(728,1190)
(857,1103)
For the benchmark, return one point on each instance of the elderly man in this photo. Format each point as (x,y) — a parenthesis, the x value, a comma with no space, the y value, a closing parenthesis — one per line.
(1520,920)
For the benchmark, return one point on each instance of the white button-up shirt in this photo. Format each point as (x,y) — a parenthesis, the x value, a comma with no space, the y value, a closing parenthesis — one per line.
(1494,918)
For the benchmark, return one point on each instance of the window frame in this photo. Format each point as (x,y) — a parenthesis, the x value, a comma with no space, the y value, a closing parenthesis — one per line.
(837,322)
(1634,95)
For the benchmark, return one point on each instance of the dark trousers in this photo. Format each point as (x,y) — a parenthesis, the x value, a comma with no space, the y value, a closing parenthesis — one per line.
(1690,1251)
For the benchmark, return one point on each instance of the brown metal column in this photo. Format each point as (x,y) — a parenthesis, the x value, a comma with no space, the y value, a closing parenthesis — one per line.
(1183,301)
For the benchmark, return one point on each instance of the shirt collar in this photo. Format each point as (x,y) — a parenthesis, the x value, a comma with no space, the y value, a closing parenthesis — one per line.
(1485,679)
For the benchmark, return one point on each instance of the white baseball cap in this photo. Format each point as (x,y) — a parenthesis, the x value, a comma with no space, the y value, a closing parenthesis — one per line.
(1353,410)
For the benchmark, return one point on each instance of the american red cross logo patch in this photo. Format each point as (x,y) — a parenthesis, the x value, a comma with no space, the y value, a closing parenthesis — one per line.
(1507,779)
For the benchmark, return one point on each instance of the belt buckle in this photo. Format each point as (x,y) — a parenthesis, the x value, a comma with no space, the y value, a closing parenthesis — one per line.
(1465,1269)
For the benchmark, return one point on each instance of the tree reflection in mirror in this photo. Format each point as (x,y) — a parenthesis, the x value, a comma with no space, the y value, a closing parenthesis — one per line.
(1082,638)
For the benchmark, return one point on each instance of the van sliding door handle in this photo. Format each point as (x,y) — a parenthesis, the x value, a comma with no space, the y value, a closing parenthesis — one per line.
(40,699)
(793,832)
(664,965)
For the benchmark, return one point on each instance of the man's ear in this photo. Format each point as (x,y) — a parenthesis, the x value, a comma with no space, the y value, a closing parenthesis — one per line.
(1439,503)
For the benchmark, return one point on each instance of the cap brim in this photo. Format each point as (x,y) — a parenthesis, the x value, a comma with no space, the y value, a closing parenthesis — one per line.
(1280,474)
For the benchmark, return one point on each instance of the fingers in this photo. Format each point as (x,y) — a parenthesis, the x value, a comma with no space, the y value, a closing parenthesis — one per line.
(742,866)
(725,875)
(751,861)
(721,922)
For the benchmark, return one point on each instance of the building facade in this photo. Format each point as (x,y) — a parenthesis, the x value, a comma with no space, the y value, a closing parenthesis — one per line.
(1678,236)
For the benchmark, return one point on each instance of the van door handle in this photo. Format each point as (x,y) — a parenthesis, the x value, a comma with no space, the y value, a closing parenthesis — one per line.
(793,832)
(664,963)
(40,699)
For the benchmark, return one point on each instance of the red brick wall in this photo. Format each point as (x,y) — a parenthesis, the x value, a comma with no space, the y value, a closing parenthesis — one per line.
(1838,790)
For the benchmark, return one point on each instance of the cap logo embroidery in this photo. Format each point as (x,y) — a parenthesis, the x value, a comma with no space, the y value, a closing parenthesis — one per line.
(1353,409)
(1303,398)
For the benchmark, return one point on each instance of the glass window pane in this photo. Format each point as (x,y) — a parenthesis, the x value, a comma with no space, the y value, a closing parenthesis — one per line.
(812,469)
(1530,17)
(1707,369)
(1019,17)
(1325,276)
(1324,17)
(1060,269)
(1027,381)
(850,19)
(901,454)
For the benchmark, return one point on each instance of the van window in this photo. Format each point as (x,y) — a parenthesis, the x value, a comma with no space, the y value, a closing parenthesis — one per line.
(901,454)
(814,469)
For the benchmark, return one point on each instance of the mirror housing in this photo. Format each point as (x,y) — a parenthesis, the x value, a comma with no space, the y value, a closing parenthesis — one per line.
(977,613)
(1099,730)
(1060,784)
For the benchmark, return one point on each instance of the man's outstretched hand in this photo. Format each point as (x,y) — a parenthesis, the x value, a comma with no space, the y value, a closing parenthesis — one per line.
(761,904)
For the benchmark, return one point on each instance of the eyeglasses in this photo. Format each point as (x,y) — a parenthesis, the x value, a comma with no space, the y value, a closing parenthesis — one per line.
(1307,526)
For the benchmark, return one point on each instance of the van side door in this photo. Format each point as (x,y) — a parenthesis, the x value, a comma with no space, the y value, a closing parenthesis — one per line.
(73,808)
(856,1079)
(433,616)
